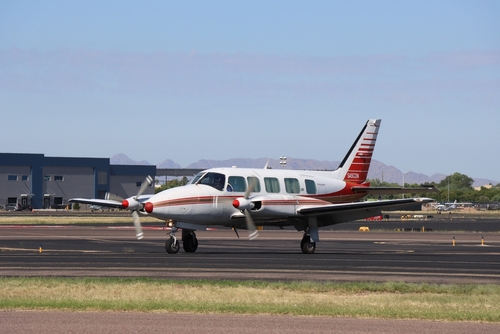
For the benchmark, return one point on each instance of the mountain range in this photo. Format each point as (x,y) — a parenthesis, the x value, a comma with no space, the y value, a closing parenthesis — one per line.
(378,170)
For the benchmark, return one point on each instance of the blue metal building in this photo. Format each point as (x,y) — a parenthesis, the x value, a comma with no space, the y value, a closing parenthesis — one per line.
(49,182)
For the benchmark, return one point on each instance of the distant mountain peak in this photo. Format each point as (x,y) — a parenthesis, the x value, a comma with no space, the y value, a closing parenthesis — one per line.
(122,159)
(168,163)
(378,170)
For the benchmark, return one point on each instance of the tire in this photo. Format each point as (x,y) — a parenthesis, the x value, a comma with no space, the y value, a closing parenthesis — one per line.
(190,244)
(307,246)
(172,247)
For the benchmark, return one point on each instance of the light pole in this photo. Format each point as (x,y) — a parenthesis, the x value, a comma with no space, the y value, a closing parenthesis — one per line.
(449,177)
(404,183)
(283,161)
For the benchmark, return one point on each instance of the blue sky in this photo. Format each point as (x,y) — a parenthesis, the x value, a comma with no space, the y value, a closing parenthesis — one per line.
(191,80)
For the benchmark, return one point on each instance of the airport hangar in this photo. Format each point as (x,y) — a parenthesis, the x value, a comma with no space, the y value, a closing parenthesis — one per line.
(40,182)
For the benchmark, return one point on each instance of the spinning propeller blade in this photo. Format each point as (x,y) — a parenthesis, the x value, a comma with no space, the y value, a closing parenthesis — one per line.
(113,197)
(248,217)
(137,224)
(135,205)
(145,184)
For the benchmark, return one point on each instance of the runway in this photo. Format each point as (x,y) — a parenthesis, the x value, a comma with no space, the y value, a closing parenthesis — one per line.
(99,251)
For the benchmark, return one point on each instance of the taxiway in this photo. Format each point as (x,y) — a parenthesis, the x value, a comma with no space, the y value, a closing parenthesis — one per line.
(99,251)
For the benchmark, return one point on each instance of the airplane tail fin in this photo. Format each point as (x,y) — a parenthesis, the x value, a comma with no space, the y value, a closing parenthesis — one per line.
(354,167)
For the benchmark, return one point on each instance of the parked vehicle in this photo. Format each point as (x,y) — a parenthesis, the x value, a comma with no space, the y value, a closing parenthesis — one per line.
(11,207)
(94,208)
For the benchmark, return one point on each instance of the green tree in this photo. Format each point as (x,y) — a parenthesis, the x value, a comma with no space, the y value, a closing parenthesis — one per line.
(456,181)
(172,184)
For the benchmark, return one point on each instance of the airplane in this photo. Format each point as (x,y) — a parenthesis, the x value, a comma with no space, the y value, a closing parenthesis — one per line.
(240,198)
(446,206)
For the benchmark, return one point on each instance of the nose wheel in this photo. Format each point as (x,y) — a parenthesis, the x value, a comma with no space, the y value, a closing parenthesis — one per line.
(172,244)
(307,245)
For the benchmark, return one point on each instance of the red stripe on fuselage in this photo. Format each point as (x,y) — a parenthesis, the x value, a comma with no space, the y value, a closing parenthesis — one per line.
(343,196)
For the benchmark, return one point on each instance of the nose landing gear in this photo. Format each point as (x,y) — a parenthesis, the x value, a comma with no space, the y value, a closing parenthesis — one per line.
(172,244)
(307,246)
(189,241)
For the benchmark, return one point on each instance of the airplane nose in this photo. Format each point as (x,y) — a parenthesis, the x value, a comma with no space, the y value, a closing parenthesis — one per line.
(148,207)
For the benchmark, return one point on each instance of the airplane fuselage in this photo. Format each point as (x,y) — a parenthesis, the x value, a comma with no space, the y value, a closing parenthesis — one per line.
(276,195)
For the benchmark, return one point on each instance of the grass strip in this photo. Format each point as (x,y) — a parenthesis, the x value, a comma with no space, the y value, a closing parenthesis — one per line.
(390,300)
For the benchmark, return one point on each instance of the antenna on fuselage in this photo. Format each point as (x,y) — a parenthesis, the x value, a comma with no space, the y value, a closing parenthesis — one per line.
(267,164)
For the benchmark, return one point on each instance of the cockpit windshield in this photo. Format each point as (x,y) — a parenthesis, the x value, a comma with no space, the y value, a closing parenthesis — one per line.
(216,180)
(195,179)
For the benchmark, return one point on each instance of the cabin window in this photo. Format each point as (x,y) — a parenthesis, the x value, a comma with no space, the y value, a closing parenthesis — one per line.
(272,184)
(12,177)
(254,184)
(25,178)
(311,187)
(292,186)
(237,183)
(58,178)
(216,180)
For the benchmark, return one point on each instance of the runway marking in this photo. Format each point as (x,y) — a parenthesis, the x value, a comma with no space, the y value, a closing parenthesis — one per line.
(52,250)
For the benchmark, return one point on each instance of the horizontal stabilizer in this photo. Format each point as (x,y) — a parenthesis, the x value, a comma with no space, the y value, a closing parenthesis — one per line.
(393,190)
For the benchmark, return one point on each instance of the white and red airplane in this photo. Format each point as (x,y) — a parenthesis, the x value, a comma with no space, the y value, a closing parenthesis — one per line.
(239,197)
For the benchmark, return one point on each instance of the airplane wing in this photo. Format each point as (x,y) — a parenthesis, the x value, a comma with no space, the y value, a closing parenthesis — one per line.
(341,213)
(95,201)
(112,203)
(394,190)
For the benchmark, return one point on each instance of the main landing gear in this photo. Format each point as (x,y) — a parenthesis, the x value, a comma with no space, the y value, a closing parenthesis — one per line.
(189,242)
(307,245)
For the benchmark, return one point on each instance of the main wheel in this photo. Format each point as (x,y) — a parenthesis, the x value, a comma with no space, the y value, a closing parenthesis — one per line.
(190,243)
(307,246)
(172,247)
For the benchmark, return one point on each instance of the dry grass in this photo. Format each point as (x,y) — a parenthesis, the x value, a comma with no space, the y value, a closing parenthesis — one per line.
(390,300)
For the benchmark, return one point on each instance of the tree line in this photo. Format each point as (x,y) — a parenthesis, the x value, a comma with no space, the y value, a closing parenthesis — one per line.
(453,187)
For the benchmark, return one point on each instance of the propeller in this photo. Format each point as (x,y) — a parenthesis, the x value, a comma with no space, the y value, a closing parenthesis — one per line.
(134,205)
(246,205)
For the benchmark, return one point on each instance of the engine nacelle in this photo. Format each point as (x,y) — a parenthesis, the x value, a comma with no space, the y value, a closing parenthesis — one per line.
(131,204)
(243,204)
